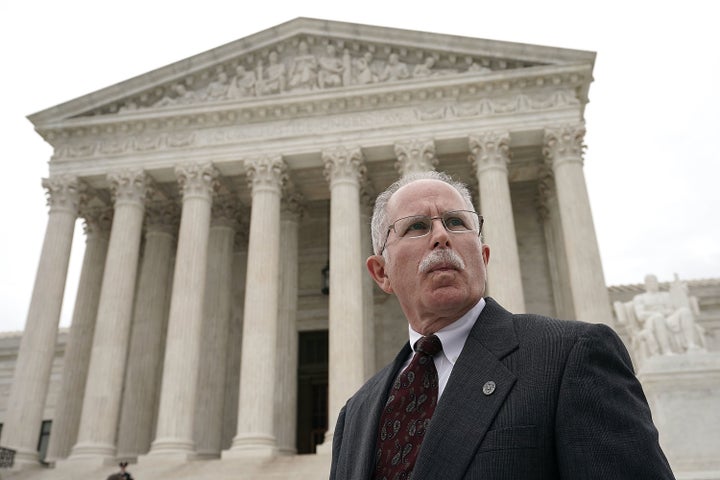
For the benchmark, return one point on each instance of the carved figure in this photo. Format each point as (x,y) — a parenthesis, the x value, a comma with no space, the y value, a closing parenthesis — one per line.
(242,84)
(182,96)
(273,79)
(217,89)
(363,65)
(424,69)
(395,69)
(331,69)
(477,68)
(303,73)
(662,323)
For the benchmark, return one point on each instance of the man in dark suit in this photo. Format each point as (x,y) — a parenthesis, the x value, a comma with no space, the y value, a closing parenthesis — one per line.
(508,396)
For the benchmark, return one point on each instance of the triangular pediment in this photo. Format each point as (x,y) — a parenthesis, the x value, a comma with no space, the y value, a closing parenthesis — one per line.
(308,56)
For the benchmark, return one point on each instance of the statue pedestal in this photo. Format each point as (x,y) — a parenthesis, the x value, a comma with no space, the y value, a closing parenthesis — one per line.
(684,395)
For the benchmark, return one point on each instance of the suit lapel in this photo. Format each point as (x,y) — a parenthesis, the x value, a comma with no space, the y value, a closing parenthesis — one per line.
(365,417)
(465,412)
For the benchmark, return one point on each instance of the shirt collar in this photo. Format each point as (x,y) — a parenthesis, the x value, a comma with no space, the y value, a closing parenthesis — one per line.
(454,335)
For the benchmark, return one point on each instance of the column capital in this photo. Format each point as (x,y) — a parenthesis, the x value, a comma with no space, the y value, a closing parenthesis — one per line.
(545,191)
(97,219)
(564,144)
(64,192)
(343,164)
(162,215)
(225,211)
(130,186)
(268,172)
(198,180)
(416,155)
(489,150)
(293,204)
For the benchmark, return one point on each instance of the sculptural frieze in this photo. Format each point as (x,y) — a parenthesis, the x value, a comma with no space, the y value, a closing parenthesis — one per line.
(304,66)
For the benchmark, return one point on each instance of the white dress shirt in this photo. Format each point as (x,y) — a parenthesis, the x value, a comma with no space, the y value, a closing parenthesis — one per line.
(453,339)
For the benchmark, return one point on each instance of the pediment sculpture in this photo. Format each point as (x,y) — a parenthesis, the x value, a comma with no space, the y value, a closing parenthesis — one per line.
(302,68)
(662,322)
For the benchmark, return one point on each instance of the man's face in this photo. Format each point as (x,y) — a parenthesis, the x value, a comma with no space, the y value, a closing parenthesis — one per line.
(437,297)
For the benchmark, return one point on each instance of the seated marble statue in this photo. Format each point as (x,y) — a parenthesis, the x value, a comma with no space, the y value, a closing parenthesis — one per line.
(663,323)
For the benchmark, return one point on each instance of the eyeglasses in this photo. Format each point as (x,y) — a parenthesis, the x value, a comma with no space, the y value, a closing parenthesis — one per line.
(417,226)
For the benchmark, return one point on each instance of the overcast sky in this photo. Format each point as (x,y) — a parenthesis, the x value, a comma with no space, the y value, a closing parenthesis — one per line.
(653,119)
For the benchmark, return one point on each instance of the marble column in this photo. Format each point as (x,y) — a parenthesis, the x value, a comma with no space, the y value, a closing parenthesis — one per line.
(563,152)
(103,390)
(147,344)
(552,228)
(178,393)
(345,172)
(490,155)
(234,348)
(76,361)
(287,335)
(258,371)
(414,156)
(36,353)
(368,284)
(215,328)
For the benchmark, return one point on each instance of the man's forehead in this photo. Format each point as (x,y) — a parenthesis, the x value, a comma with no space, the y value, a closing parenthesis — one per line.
(425,189)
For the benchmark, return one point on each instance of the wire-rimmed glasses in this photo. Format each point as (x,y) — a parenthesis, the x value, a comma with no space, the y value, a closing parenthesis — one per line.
(417,226)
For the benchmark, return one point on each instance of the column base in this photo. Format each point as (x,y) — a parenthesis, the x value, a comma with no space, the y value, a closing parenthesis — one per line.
(100,453)
(170,448)
(252,446)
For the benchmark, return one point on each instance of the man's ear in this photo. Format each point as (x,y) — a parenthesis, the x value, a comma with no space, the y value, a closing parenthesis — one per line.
(376,267)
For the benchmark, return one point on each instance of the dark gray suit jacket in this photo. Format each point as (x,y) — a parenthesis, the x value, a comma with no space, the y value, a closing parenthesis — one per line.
(566,405)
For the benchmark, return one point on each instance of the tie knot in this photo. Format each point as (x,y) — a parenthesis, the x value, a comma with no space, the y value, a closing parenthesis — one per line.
(429,345)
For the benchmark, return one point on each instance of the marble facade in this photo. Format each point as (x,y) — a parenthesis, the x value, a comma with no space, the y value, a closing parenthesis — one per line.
(217,189)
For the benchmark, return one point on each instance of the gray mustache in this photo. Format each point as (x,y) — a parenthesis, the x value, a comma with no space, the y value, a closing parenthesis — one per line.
(441,257)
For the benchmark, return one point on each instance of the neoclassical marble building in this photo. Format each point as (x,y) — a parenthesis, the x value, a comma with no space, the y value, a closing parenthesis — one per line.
(223,309)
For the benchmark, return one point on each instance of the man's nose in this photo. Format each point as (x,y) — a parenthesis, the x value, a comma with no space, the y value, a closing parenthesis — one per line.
(440,235)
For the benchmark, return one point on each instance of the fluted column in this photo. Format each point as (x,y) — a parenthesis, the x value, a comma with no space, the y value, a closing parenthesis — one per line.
(287,335)
(345,171)
(76,361)
(368,283)
(490,155)
(563,151)
(215,328)
(103,391)
(178,394)
(37,346)
(258,372)
(552,228)
(234,348)
(414,156)
(147,344)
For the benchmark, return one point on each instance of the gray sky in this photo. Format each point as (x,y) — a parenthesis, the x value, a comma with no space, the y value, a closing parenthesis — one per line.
(653,118)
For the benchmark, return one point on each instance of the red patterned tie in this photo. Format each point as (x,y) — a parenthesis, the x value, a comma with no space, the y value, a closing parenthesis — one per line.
(407,413)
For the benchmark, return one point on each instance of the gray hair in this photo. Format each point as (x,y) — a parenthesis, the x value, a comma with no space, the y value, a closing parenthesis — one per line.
(380,223)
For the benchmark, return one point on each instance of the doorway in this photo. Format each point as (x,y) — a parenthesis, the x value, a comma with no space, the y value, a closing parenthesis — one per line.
(312,407)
